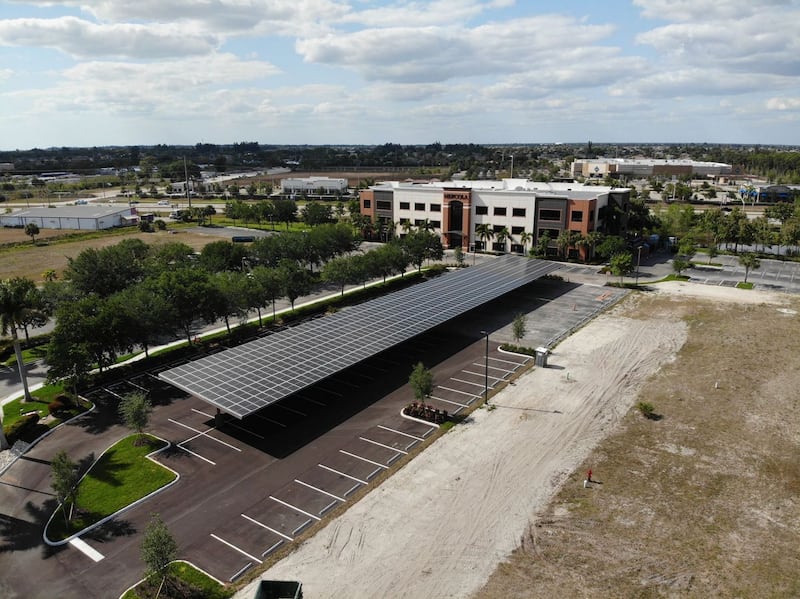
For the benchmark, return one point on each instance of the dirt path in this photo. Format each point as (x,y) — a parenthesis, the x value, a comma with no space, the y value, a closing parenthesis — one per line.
(440,526)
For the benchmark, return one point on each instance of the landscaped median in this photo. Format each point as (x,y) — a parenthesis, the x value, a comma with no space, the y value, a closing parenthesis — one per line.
(124,475)
(186,581)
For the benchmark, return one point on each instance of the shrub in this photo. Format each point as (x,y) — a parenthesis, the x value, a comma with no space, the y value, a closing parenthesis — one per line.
(645,409)
(23,429)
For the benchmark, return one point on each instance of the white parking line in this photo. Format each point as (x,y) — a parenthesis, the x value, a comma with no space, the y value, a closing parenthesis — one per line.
(358,457)
(457,391)
(389,447)
(197,455)
(452,378)
(481,365)
(262,525)
(86,549)
(517,364)
(329,469)
(314,401)
(288,409)
(235,548)
(312,487)
(296,509)
(497,378)
(326,390)
(203,433)
(261,417)
(145,389)
(455,403)
(391,430)
(207,415)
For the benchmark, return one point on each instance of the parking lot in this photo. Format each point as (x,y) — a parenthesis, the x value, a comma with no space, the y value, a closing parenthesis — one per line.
(250,487)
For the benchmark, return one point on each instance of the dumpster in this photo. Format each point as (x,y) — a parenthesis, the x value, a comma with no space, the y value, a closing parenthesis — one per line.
(541,357)
(279,589)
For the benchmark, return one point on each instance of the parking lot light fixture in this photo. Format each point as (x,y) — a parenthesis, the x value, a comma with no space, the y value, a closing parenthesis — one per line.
(486,370)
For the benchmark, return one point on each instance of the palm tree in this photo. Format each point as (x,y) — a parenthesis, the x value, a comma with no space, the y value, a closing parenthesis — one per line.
(525,238)
(502,236)
(484,232)
(15,297)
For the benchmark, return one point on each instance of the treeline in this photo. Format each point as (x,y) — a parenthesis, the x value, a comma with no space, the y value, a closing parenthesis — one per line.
(115,300)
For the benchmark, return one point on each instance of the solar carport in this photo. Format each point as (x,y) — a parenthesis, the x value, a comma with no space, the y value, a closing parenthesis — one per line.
(247,378)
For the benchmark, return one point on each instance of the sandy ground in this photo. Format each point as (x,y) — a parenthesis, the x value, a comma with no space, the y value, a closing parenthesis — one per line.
(440,526)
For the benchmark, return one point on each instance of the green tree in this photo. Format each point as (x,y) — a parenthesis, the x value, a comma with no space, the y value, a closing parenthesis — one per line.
(679,264)
(458,256)
(484,233)
(750,262)
(16,296)
(611,245)
(518,327)
(296,281)
(621,264)
(525,238)
(270,285)
(135,409)
(158,550)
(316,213)
(32,230)
(338,271)
(285,211)
(502,236)
(421,381)
(64,480)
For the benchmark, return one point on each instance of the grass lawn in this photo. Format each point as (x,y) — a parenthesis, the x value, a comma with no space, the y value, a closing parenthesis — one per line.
(193,583)
(14,410)
(121,476)
(28,355)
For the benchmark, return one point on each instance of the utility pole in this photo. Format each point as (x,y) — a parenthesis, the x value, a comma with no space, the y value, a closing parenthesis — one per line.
(186,175)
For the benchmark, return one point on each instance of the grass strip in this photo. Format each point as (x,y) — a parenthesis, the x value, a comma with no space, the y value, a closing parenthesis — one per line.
(191,583)
(121,476)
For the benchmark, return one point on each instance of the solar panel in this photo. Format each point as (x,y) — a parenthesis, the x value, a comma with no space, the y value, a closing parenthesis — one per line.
(244,379)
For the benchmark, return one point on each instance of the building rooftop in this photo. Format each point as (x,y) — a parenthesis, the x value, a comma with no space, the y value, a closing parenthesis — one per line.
(87,211)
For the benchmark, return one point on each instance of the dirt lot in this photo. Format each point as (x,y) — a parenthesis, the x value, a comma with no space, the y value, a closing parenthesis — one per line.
(701,502)
(32,261)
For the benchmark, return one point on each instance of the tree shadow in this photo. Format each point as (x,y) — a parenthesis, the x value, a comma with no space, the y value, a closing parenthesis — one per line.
(21,535)
(110,530)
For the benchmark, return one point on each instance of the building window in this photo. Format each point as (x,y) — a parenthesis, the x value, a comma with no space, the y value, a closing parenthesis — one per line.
(497,228)
(367,203)
(436,207)
(418,222)
(517,230)
(436,224)
(517,248)
(552,233)
(545,214)
(518,212)
(419,206)
(404,221)
(576,216)
(499,211)
(481,210)
(384,205)
(498,246)
(405,206)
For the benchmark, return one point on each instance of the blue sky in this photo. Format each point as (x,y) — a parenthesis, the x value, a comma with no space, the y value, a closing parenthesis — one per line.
(108,72)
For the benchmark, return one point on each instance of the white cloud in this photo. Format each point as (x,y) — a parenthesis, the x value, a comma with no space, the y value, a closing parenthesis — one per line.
(766,42)
(428,54)
(684,82)
(6,74)
(222,17)
(81,38)
(424,14)
(706,10)
(783,104)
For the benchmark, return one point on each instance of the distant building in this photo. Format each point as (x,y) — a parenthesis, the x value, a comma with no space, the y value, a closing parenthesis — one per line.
(88,218)
(313,185)
(645,167)
(526,209)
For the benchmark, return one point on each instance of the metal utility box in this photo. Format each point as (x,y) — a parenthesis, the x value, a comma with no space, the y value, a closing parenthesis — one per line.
(541,357)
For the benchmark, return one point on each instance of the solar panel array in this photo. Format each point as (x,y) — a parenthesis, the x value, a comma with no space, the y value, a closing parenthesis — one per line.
(244,379)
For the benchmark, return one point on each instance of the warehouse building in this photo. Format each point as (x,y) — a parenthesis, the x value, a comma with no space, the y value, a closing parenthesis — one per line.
(86,218)
(646,167)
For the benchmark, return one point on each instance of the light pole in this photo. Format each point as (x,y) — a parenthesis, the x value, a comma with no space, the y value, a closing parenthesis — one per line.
(486,372)
(638,262)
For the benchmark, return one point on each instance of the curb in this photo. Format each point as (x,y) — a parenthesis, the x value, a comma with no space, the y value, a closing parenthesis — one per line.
(149,456)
